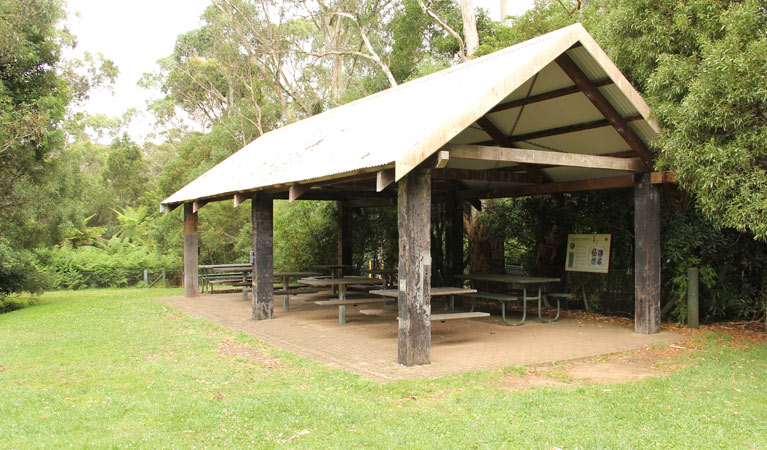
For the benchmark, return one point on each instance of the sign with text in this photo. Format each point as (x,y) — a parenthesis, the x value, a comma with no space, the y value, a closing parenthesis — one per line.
(588,253)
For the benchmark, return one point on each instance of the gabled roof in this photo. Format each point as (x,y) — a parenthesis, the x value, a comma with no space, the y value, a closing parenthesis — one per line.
(402,126)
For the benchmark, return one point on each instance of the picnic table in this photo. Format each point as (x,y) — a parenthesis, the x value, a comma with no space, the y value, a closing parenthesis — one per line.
(286,291)
(435,292)
(232,268)
(285,277)
(384,273)
(442,291)
(340,283)
(522,281)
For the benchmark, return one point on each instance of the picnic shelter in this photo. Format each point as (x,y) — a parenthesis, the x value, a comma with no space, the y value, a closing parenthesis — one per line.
(547,116)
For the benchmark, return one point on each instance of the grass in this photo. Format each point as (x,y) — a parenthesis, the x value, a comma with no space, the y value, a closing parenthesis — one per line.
(115,368)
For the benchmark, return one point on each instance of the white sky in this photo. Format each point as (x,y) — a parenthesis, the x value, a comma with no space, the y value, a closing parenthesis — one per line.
(135,34)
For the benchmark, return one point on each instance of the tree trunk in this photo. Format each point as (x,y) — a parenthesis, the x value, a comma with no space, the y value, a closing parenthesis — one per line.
(469,28)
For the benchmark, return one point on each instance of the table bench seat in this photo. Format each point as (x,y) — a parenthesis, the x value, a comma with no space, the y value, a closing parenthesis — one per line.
(503,298)
(353,302)
(460,315)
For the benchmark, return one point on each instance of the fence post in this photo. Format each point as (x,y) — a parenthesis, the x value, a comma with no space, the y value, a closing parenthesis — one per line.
(146,276)
(164,279)
(692,298)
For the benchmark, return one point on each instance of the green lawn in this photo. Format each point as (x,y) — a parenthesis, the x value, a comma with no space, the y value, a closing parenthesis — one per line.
(114,368)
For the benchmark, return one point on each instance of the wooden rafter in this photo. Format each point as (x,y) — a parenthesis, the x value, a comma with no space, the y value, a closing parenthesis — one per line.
(502,140)
(197,204)
(239,199)
(545,96)
(620,124)
(296,191)
(384,178)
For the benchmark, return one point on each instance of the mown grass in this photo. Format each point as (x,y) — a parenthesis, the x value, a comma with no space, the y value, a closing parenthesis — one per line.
(114,368)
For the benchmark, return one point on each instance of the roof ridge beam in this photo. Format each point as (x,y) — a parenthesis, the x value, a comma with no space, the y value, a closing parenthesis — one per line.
(543,157)
(604,106)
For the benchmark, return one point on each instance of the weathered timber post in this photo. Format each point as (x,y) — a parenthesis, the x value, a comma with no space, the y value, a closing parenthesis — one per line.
(262,283)
(646,256)
(692,298)
(414,224)
(344,234)
(453,239)
(191,242)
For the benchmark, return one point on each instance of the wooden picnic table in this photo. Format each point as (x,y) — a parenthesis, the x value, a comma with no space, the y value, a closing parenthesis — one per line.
(336,271)
(435,292)
(286,276)
(341,283)
(515,280)
(243,268)
(246,269)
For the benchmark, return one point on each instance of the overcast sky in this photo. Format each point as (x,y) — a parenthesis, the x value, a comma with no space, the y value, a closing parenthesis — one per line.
(135,34)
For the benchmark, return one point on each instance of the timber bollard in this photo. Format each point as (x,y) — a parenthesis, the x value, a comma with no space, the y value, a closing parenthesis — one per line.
(692,298)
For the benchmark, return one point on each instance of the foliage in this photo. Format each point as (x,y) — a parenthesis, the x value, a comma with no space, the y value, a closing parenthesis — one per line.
(117,263)
(88,361)
(305,234)
(17,274)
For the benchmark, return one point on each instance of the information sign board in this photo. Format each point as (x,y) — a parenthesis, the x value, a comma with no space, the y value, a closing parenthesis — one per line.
(588,253)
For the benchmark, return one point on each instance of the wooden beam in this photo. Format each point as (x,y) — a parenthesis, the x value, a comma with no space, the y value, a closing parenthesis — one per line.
(345,236)
(296,191)
(647,264)
(664,177)
(453,238)
(384,178)
(544,157)
(191,257)
(239,199)
(168,208)
(414,224)
(551,188)
(443,158)
(490,175)
(475,203)
(197,204)
(545,96)
(568,129)
(608,110)
(596,184)
(501,139)
(262,222)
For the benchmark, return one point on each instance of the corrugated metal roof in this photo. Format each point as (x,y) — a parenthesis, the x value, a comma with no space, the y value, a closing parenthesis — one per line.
(402,126)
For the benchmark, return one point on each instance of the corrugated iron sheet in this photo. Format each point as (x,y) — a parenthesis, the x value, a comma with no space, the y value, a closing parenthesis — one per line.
(404,125)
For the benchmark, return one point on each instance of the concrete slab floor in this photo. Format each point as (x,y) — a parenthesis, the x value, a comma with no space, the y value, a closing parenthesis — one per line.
(367,345)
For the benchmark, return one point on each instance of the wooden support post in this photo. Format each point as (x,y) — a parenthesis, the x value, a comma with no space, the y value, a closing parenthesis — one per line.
(414,224)
(692,298)
(646,256)
(453,239)
(262,292)
(191,242)
(344,234)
